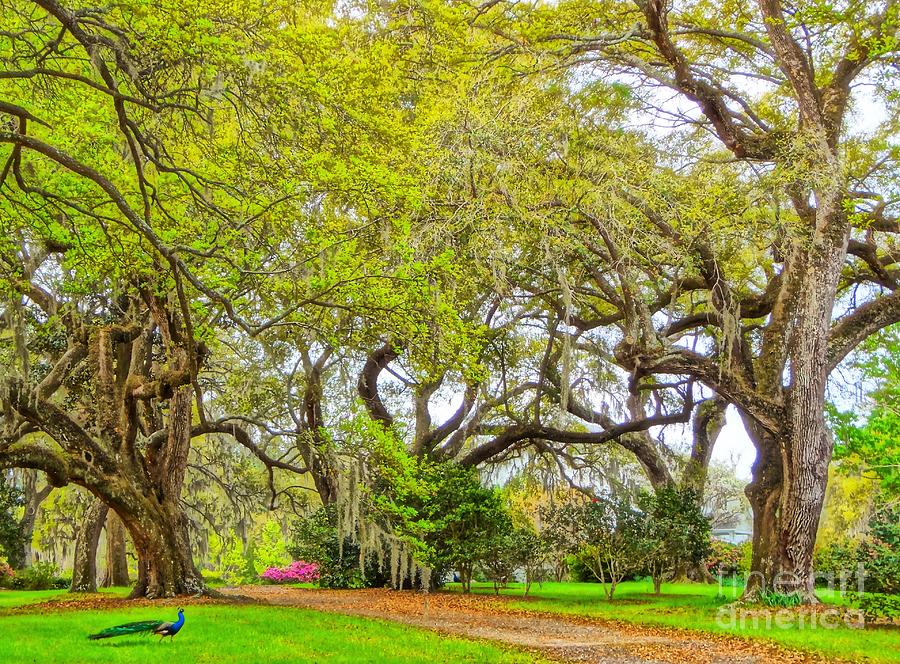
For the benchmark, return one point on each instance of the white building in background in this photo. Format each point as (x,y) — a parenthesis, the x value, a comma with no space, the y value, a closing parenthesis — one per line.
(732,535)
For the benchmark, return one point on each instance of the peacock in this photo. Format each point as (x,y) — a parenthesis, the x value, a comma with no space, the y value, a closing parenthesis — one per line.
(159,627)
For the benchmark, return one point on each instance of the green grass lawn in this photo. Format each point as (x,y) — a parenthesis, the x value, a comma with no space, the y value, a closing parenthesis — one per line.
(225,633)
(697,606)
(222,633)
(10,599)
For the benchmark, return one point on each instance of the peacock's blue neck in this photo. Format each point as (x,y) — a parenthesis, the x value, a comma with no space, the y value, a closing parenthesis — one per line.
(178,623)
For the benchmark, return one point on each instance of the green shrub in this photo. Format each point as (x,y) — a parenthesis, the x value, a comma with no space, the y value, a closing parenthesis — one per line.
(835,560)
(675,532)
(879,552)
(234,564)
(467,524)
(614,542)
(315,539)
(448,519)
(578,571)
(16,583)
(746,557)
(877,605)
(40,576)
(511,549)
(560,533)
(269,548)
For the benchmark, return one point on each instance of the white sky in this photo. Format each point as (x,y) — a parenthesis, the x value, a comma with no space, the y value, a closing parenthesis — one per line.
(734,447)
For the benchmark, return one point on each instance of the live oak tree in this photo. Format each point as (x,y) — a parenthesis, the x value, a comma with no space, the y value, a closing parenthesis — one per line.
(612,543)
(500,216)
(102,358)
(136,218)
(775,87)
(509,396)
(751,260)
(675,532)
(160,186)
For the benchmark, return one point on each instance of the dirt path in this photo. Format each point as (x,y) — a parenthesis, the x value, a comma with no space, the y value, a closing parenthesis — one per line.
(562,638)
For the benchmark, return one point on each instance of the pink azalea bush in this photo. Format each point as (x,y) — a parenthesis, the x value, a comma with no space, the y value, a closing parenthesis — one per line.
(6,573)
(298,571)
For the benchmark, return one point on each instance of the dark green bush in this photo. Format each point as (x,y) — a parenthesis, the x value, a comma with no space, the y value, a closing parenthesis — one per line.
(879,555)
(40,576)
(578,571)
(15,583)
(675,532)
(466,527)
(876,606)
(509,550)
(315,539)
(836,560)
(879,552)
(615,541)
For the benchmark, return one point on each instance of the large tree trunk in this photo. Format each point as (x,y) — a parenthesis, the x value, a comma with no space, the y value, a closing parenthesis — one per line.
(84,571)
(142,382)
(786,495)
(807,451)
(116,560)
(153,515)
(807,442)
(764,493)
(791,471)
(165,565)
(158,529)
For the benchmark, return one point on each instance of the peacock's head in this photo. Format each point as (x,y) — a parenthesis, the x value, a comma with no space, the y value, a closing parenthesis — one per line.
(180,612)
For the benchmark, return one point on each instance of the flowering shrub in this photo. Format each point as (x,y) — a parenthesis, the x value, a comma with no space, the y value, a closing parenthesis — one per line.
(6,573)
(316,538)
(725,559)
(297,572)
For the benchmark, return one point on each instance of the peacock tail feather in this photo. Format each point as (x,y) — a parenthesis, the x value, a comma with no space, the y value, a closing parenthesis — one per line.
(128,628)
